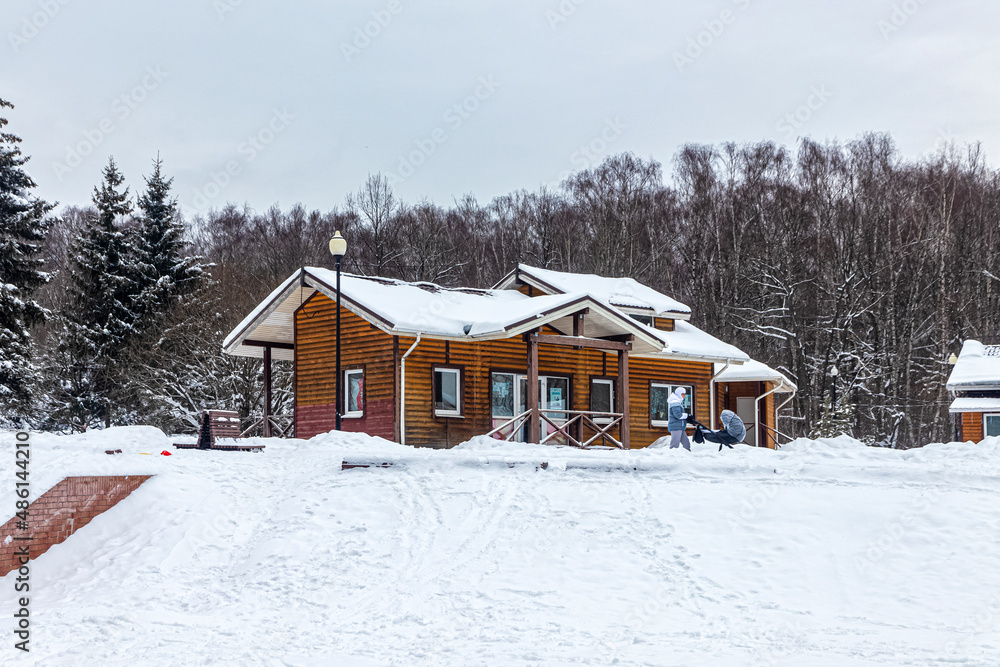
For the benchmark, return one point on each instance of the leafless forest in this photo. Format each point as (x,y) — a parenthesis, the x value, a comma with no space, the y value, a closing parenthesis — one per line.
(809,257)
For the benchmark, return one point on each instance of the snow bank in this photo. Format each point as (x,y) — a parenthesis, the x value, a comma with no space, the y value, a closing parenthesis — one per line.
(823,553)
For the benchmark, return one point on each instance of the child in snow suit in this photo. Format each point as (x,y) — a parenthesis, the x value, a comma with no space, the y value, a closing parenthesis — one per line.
(677,423)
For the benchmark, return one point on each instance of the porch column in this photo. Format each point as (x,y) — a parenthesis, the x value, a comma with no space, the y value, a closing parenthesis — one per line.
(267,391)
(532,397)
(623,399)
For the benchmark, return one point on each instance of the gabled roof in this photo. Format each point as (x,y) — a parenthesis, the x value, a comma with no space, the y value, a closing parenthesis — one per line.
(625,293)
(402,308)
(978,367)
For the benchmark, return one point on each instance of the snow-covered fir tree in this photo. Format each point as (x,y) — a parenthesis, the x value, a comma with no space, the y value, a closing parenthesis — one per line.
(23,225)
(165,274)
(101,320)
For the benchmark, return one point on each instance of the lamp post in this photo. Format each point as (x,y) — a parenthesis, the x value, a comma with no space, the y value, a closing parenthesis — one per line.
(834,373)
(338,248)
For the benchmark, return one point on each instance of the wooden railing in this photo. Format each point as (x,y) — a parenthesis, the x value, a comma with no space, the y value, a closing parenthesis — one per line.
(281,426)
(564,421)
(773,435)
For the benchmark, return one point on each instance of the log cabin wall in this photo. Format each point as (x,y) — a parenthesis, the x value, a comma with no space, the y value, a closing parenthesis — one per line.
(972,426)
(362,346)
(477,361)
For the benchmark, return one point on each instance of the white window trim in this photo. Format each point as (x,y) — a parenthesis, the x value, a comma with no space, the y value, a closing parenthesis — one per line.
(457,412)
(670,388)
(355,414)
(611,386)
(987,415)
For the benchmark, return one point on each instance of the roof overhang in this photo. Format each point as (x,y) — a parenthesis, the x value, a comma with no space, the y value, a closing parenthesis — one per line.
(273,321)
(968,404)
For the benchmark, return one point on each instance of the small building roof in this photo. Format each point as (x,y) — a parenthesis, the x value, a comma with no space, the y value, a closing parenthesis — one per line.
(965,404)
(978,367)
(754,371)
(626,293)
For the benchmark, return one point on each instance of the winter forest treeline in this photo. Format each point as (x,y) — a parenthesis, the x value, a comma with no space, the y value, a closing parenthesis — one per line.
(825,255)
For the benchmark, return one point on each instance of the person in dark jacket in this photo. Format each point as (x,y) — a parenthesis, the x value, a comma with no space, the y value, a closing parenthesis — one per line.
(733,431)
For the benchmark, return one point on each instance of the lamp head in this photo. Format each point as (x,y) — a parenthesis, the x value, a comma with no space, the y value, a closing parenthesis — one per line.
(338,245)
(834,372)
(952,360)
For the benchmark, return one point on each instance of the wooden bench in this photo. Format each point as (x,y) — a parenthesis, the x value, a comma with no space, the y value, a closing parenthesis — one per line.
(224,425)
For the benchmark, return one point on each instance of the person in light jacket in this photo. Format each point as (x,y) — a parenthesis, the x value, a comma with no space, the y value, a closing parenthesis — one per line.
(677,423)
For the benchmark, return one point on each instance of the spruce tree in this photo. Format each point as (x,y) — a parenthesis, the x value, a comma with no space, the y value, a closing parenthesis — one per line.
(23,224)
(165,275)
(102,319)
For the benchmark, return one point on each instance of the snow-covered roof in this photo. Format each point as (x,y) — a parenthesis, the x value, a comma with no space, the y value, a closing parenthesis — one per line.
(687,341)
(624,293)
(399,307)
(965,404)
(978,367)
(754,371)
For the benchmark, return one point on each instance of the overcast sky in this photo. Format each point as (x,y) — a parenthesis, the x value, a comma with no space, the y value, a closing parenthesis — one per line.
(263,102)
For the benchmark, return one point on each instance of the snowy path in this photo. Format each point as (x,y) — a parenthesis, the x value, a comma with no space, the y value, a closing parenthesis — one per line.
(825,554)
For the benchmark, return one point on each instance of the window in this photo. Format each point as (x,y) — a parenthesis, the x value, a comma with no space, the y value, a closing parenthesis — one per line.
(502,398)
(991,425)
(354,399)
(644,319)
(447,392)
(602,398)
(659,402)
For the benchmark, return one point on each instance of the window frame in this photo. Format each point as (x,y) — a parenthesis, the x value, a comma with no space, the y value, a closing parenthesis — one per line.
(611,382)
(986,416)
(459,371)
(346,413)
(671,388)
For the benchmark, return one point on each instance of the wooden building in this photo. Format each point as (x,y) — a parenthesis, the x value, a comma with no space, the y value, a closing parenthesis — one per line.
(543,357)
(974,384)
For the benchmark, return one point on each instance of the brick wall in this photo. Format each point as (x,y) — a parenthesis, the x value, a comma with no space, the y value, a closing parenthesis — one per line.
(311,420)
(61,511)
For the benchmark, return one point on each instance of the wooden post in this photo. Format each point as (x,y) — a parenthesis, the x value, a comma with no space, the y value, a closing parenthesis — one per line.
(623,399)
(532,397)
(267,391)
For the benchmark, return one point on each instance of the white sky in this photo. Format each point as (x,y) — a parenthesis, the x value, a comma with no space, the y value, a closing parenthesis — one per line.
(230,68)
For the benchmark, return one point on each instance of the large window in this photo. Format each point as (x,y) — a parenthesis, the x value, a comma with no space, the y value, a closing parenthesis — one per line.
(354,399)
(447,392)
(991,425)
(659,402)
(602,398)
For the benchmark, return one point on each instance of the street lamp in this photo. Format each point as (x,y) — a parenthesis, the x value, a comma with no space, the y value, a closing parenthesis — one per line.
(338,248)
(834,373)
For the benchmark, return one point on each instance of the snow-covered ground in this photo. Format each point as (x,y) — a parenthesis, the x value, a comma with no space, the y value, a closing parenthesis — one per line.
(824,553)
